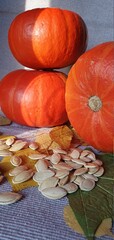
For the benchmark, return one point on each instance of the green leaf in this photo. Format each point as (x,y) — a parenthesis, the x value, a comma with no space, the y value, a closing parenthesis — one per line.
(91,208)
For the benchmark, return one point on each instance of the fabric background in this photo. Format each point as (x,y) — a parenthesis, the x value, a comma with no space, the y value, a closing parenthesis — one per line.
(36,217)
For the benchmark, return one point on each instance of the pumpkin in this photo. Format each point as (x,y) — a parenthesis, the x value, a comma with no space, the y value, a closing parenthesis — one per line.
(90,96)
(34,98)
(45,38)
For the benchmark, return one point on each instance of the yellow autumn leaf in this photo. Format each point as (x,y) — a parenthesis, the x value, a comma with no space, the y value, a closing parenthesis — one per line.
(62,135)
(45,142)
(6,166)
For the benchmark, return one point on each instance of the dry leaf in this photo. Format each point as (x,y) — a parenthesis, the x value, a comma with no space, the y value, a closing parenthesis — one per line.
(103,229)
(62,135)
(6,166)
(4,121)
(45,142)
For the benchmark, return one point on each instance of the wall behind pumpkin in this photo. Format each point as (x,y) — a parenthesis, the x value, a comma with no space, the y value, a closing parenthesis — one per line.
(97,14)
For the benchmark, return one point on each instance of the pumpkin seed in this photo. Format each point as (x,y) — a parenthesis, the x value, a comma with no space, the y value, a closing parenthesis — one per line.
(87,184)
(75,153)
(78,161)
(5,153)
(17,146)
(70,187)
(93,170)
(42,165)
(10,141)
(100,172)
(80,171)
(33,145)
(16,161)
(41,176)
(65,157)
(55,158)
(9,198)
(36,156)
(90,176)
(59,150)
(91,165)
(47,183)
(98,162)
(61,173)
(4,146)
(63,181)
(78,180)
(62,166)
(54,192)
(23,176)
(17,170)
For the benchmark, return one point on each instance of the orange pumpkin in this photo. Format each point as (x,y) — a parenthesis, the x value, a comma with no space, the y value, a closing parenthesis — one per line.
(90,96)
(47,38)
(34,98)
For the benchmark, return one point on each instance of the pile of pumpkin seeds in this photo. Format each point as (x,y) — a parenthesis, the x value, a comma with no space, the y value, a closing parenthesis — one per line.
(57,174)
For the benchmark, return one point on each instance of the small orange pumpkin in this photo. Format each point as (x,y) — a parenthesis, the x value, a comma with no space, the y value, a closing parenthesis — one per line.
(90,96)
(34,98)
(45,38)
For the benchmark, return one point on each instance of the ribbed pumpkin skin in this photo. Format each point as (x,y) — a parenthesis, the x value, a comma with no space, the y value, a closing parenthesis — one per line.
(34,98)
(93,75)
(47,38)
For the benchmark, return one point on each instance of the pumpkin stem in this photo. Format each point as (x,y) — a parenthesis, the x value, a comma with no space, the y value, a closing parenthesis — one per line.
(95,103)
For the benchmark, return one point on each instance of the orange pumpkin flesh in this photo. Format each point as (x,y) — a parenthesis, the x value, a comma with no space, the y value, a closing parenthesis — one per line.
(47,38)
(34,98)
(90,96)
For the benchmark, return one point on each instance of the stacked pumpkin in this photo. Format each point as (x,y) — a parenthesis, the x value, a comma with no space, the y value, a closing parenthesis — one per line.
(41,39)
(51,38)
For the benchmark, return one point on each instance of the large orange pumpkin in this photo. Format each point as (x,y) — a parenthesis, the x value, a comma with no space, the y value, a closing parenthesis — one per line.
(90,96)
(47,38)
(34,98)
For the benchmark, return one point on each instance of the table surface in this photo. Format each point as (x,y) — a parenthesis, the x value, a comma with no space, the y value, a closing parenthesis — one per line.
(34,217)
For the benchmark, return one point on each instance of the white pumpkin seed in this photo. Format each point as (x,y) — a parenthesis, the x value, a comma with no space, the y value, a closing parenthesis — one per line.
(62,166)
(100,172)
(63,181)
(98,162)
(16,161)
(54,192)
(78,161)
(5,153)
(73,164)
(33,145)
(65,157)
(84,153)
(17,170)
(41,176)
(42,165)
(55,158)
(9,197)
(91,165)
(10,141)
(80,171)
(90,176)
(59,150)
(93,170)
(47,183)
(61,173)
(91,156)
(78,180)
(3,146)
(70,187)
(17,146)
(87,184)
(23,176)
(36,156)
(86,159)
(75,153)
